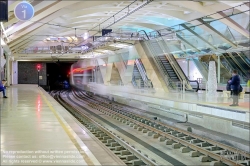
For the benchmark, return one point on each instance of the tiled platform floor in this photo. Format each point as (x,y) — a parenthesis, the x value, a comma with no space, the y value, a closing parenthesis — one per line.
(190,98)
(34,133)
(201,98)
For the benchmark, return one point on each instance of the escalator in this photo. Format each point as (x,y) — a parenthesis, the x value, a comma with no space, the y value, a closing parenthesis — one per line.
(235,62)
(168,66)
(162,63)
(202,63)
(143,73)
(246,55)
(242,61)
(203,70)
(172,74)
(137,80)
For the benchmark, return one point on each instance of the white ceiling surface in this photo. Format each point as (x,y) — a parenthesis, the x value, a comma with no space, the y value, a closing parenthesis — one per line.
(84,15)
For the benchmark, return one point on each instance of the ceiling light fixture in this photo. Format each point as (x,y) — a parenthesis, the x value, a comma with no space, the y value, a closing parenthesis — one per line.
(86,35)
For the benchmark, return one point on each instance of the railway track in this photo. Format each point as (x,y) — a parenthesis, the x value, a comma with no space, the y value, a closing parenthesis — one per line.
(207,150)
(120,147)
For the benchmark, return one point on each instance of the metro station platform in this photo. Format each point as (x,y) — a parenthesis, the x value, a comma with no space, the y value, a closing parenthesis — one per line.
(209,112)
(36,130)
(218,101)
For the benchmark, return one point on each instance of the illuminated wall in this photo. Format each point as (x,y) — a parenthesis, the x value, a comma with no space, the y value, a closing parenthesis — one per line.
(27,73)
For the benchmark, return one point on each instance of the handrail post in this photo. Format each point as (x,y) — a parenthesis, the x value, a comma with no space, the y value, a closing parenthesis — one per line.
(183,86)
(206,88)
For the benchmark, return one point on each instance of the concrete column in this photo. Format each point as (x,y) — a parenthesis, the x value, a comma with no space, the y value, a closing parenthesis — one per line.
(8,70)
(96,75)
(1,54)
(15,72)
(218,69)
(188,69)
(71,75)
(108,73)
(93,70)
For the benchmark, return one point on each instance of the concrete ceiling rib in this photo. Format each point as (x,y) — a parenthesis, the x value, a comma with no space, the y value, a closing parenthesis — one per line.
(60,18)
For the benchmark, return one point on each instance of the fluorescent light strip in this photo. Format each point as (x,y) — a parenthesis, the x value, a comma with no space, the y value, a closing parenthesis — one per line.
(4,32)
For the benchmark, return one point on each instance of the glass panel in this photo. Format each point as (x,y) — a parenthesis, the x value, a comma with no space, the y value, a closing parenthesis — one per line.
(242,19)
(208,40)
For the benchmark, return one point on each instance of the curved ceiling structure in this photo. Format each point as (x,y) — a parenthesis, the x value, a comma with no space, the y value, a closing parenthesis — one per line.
(80,19)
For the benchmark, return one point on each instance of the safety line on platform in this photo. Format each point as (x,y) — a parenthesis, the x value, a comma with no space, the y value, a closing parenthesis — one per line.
(74,141)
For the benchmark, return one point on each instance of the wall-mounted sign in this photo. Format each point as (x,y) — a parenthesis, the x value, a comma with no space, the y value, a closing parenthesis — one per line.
(24,11)
(40,77)
(3,10)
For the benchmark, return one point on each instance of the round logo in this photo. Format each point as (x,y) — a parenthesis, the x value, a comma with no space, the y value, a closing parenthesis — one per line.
(24,11)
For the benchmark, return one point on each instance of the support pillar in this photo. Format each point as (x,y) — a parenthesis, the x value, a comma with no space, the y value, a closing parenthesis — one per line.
(218,69)
(1,53)
(71,74)
(188,69)
(8,70)
(15,72)
(96,71)
(93,71)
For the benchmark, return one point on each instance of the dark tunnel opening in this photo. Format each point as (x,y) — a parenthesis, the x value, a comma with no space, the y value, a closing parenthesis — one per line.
(57,74)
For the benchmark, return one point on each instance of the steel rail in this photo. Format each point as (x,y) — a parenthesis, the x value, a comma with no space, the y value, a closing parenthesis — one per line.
(118,139)
(191,134)
(185,143)
(179,140)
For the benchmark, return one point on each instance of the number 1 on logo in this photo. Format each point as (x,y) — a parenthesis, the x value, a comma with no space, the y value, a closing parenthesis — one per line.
(24,13)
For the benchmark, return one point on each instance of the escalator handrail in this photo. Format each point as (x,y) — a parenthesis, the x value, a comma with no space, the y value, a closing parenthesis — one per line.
(243,60)
(156,60)
(237,64)
(176,67)
(176,63)
(144,33)
(142,72)
(177,74)
(142,69)
(198,84)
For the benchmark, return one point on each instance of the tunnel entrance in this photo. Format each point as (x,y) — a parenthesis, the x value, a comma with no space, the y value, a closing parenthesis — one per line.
(57,74)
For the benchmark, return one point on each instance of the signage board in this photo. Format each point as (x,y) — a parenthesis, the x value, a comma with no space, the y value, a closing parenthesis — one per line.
(24,11)
(3,10)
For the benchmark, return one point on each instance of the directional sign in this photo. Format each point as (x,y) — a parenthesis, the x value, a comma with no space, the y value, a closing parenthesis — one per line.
(24,11)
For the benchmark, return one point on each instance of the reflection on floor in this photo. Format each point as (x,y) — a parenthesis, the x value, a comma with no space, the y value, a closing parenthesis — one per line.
(32,126)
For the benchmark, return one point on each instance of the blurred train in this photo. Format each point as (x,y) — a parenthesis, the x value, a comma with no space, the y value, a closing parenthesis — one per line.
(83,72)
